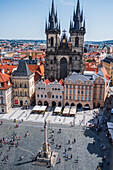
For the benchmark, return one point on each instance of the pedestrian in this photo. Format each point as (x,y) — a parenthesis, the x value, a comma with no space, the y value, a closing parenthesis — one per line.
(74,140)
(65,150)
(71,156)
(59,160)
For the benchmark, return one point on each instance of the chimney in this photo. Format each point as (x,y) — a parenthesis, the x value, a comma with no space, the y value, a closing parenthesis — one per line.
(2,71)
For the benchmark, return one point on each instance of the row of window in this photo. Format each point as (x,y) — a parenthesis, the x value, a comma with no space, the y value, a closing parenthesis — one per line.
(82,92)
(78,98)
(79,87)
(45,96)
(100,91)
(100,97)
(25,94)
(40,88)
(21,85)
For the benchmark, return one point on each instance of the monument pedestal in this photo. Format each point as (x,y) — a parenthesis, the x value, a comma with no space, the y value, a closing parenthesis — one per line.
(45,156)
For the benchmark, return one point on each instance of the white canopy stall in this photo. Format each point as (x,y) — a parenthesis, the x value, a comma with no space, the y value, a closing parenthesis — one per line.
(57,110)
(66,110)
(39,109)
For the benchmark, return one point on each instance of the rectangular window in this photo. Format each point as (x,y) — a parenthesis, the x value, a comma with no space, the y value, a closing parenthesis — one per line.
(77,98)
(70,97)
(89,87)
(81,92)
(45,96)
(73,87)
(73,97)
(95,97)
(89,98)
(100,91)
(37,95)
(66,91)
(56,96)
(66,97)
(85,98)
(81,98)
(70,86)
(73,91)
(66,86)
(85,87)
(78,87)
(90,92)
(41,95)
(95,90)
(82,87)
(85,92)
(100,97)
(78,92)
(100,86)
(52,96)
(60,97)
(70,91)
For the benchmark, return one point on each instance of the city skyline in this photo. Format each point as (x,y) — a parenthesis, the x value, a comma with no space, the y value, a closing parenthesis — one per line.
(26,19)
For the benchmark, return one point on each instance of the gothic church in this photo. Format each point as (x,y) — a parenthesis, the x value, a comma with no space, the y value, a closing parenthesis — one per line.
(63,56)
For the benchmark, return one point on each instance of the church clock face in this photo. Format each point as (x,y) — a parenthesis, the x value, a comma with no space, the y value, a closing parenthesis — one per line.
(63,41)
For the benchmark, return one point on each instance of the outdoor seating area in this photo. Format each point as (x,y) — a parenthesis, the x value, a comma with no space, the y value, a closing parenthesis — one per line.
(39,109)
(69,111)
(57,110)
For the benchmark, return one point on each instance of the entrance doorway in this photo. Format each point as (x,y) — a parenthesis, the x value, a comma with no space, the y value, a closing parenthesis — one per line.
(53,104)
(21,102)
(63,68)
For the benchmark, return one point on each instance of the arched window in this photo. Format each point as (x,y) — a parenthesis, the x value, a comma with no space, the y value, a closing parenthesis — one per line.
(52,41)
(25,85)
(25,93)
(20,93)
(76,42)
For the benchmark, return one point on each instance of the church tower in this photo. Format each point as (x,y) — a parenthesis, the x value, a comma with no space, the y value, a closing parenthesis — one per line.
(52,30)
(63,57)
(77,31)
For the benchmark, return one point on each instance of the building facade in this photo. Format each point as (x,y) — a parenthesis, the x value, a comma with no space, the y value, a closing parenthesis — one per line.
(60,58)
(108,64)
(23,85)
(5,93)
(84,91)
(49,93)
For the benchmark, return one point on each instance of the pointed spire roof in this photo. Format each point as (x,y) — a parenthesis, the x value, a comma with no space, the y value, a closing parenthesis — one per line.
(81,16)
(78,10)
(52,9)
(84,25)
(22,69)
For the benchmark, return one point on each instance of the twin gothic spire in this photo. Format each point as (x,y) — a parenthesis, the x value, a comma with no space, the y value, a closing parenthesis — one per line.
(52,24)
(76,24)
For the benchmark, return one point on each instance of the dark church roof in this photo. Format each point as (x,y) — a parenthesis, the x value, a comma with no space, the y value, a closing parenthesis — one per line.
(22,69)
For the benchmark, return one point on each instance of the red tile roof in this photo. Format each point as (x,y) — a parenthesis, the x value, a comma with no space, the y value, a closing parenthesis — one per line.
(47,81)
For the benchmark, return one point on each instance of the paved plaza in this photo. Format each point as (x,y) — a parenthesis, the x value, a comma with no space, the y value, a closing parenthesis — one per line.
(31,145)
(89,153)
(82,118)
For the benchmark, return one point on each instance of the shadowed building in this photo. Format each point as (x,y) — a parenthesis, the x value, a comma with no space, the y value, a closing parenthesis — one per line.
(61,59)
(23,85)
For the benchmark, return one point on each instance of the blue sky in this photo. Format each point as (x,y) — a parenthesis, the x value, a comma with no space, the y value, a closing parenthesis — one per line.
(25,19)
